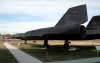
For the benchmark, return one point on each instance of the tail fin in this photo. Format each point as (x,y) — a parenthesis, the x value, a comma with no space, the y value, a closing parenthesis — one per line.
(74,15)
(94,23)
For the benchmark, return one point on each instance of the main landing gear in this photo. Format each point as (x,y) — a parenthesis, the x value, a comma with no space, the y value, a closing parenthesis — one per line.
(25,42)
(66,45)
(46,44)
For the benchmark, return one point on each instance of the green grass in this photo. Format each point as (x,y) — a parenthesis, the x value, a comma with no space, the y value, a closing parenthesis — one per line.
(96,62)
(55,53)
(6,56)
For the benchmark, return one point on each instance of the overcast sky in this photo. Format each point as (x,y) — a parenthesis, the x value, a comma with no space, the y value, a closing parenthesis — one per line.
(19,16)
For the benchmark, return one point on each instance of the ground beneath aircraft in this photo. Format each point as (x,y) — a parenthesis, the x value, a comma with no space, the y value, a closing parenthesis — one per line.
(56,53)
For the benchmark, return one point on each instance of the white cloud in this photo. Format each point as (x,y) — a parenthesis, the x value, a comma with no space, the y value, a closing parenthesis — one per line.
(50,10)
(41,7)
(17,27)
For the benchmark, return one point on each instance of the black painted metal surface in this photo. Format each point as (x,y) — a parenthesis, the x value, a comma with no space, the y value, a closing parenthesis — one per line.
(74,15)
(68,26)
(57,33)
(93,28)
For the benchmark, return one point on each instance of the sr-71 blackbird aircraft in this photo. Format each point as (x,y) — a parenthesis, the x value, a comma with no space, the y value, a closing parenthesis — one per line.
(69,27)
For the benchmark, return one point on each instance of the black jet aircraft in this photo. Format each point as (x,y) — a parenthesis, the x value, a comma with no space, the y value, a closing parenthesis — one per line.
(68,28)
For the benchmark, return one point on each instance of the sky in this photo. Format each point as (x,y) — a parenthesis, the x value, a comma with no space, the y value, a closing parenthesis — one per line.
(20,16)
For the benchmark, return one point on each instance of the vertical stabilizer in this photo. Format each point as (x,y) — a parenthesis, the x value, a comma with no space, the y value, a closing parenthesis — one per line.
(93,28)
(94,23)
(74,15)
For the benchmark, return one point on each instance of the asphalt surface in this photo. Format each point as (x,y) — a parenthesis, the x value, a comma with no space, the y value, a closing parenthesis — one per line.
(88,60)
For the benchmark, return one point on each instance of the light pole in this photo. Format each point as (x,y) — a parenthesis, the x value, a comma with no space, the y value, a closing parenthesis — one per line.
(3,38)
(3,35)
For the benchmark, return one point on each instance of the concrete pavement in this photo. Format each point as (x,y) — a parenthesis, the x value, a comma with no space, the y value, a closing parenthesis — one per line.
(21,56)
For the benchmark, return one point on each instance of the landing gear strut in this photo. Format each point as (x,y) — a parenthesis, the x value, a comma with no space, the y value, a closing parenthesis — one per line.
(46,44)
(66,45)
(25,41)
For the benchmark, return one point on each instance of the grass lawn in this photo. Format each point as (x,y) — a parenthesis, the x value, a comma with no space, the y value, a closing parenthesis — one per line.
(55,53)
(5,55)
